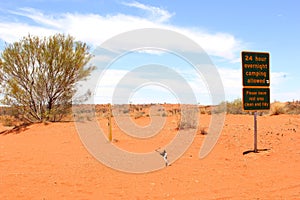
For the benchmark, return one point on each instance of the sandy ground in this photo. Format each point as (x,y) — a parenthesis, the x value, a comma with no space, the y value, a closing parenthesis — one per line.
(50,162)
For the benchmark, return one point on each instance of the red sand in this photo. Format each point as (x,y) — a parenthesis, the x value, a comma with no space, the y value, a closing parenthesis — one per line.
(50,162)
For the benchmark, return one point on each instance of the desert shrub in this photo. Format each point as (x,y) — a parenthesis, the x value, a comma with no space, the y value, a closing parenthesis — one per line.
(203,131)
(203,110)
(126,111)
(189,118)
(138,115)
(235,107)
(218,108)
(174,111)
(293,108)
(231,107)
(161,110)
(277,108)
(78,118)
(8,121)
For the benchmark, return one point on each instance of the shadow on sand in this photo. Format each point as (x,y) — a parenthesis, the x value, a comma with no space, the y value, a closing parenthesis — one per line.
(254,151)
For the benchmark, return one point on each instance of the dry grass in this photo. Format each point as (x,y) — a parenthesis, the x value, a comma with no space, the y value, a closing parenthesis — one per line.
(7,120)
(293,107)
(277,108)
(10,117)
(138,115)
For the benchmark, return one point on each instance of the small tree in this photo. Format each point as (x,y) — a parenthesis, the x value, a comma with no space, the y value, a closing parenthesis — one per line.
(38,75)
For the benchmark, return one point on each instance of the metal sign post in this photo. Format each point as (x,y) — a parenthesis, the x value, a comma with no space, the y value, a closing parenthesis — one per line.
(255,132)
(256,86)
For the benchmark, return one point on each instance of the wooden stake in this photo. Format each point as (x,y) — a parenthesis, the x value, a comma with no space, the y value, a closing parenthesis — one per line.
(109,123)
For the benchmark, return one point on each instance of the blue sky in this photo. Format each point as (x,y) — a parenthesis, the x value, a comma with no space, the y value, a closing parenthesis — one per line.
(222,28)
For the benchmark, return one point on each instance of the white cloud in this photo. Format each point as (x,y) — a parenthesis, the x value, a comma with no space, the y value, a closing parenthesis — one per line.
(38,17)
(145,95)
(157,14)
(11,32)
(222,45)
(151,51)
(232,82)
(95,28)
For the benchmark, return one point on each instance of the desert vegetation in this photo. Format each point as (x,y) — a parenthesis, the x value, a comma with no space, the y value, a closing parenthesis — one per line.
(277,108)
(12,115)
(38,76)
